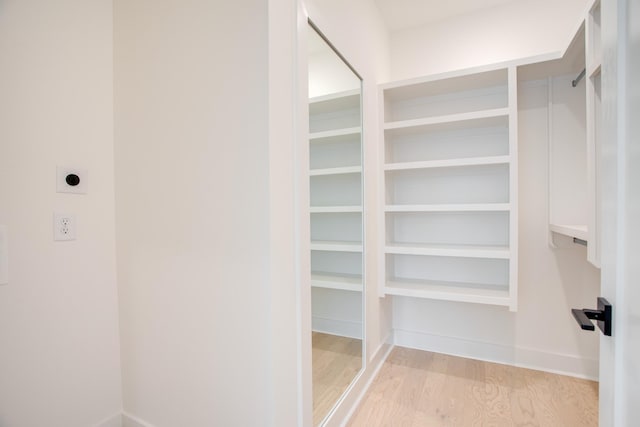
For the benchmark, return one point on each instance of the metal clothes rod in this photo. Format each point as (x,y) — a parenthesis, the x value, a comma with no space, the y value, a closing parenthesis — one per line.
(575,82)
(579,241)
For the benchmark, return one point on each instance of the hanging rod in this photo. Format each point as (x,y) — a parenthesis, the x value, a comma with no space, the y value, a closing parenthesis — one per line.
(575,82)
(579,241)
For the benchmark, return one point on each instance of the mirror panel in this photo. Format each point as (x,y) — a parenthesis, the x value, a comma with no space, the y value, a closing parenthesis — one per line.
(336,197)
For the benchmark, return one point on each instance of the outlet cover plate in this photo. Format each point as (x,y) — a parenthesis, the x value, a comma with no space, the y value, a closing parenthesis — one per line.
(61,180)
(64,227)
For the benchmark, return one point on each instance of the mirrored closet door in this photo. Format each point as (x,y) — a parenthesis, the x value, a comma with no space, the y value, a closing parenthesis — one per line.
(335,151)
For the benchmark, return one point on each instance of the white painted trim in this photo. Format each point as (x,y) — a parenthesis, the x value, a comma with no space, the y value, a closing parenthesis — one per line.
(466,207)
(549,56)
(112,421)
(381,152)
(129,420)
(302,223)
(343,328)
(512,77)
(344,409)
(550,168)
(377,362)
(557,363)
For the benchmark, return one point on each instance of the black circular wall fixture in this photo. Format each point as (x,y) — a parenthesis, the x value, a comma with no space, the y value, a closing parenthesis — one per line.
(72,179)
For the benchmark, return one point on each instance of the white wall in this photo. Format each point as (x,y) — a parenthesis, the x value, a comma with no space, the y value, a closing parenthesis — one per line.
(542,334)
(516,30)
(202,186)
(59,351)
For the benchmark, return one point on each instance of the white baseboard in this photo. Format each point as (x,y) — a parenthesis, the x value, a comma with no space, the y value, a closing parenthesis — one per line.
(129,420)
(557,363)
(113,421)
(343,328)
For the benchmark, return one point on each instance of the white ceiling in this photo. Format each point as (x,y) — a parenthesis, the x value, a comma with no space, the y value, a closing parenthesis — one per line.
(401,14)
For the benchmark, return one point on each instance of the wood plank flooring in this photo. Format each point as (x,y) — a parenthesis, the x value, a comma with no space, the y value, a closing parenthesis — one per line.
(336,361)
(421,389)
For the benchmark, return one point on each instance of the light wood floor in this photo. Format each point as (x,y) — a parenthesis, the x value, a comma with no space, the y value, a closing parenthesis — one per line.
(417,389)
(336,361)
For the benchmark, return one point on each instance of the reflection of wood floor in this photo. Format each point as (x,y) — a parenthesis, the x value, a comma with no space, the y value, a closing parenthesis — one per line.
(420,389)
(336,361)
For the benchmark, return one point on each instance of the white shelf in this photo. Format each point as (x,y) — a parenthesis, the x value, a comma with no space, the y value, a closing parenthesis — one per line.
(444,84)
(486,207)
(343,282)
(491,122)
(336,171)
(336,246)
(462,251)
(334,134)
(594,70)
(334,101)
(476,118)
(449,291)
(472,161)
(335,209)
(577,231)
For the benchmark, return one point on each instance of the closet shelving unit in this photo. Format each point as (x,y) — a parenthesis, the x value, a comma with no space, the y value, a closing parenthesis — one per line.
(567,143)
(574,188)
(450,187)
(336,191)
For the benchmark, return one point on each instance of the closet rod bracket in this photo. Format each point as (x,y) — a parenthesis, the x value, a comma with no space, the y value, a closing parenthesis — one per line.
(575,82)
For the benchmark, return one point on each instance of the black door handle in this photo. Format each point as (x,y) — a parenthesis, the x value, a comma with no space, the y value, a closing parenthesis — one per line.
(603,315)
(582,319)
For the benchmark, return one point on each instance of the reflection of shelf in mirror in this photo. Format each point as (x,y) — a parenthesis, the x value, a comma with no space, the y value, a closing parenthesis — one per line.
(335,171)
(471,161)
(594,69)
(462,251)
(449,291)
(577,231)
(335,96)
(334,101)
(479,207)
(343,282)
(335,209)
(334,134)
(336,246)
(484,118)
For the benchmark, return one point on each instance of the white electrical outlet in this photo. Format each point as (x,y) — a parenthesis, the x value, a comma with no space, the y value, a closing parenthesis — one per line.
(71,180)
(64,227)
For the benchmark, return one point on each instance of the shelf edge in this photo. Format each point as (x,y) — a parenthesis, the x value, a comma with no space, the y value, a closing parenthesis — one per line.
(578,231)
(429,164)
(450,118)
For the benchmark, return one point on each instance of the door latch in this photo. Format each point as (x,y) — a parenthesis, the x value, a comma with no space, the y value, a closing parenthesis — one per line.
(603,315)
